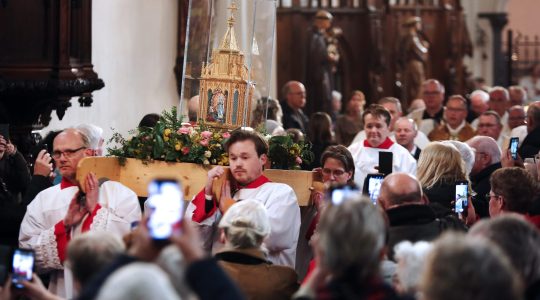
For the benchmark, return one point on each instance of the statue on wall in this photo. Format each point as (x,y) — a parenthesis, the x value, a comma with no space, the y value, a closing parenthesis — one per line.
(321,64)
(413,58)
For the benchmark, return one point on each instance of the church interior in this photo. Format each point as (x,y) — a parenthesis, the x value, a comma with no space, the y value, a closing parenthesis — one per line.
(272,115)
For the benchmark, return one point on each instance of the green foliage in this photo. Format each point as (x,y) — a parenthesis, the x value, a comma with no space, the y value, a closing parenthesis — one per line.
(171,140)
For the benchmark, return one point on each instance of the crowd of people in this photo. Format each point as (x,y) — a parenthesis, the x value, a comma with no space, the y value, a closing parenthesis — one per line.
(419,236)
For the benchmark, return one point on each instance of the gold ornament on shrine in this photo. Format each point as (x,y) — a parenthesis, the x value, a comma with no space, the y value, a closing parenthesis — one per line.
(225,90)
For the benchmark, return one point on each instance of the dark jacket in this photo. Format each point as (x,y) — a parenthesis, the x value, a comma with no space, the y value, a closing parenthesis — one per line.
(246,267)
(442,193)
(418,222)
(531,144)
(37,184)
(294,119)
(14,179)
(481,186)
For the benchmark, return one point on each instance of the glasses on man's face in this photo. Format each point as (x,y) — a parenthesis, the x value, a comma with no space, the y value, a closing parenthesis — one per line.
(303,94)
(68,153)
(336,173)
(490,195)
(431,93)
(486,125)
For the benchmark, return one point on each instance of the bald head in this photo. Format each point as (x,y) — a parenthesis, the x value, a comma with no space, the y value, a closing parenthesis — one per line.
(295,94)
(400,189)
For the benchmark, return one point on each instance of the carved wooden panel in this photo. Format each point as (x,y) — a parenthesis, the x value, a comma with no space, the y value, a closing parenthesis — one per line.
(45,60)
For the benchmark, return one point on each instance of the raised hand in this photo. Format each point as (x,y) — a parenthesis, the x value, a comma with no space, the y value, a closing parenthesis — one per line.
(43,165)
(92,191)
(75,213)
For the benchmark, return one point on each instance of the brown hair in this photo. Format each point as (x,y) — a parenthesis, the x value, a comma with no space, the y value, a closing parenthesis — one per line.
(341,154)
(240,135)
(517,187)
(378,111)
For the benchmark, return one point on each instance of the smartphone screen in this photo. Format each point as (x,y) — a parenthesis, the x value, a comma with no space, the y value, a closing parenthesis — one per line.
(23,266)
(166,205)
(385,162)
(374,182)
(514,142)
(462,196)
(342,193)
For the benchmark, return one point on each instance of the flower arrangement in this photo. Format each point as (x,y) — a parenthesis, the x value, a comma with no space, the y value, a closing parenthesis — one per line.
(174,141)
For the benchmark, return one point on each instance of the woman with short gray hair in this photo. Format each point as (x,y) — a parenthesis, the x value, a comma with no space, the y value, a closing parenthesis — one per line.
(244,226)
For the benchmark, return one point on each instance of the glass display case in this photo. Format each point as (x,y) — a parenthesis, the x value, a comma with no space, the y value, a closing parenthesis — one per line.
(227,60)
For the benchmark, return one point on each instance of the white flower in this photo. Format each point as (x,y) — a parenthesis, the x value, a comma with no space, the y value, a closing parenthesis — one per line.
(207,154)
(206,162)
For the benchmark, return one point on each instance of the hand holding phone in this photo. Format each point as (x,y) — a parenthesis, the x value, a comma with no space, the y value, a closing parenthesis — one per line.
(166,204)
(385,162)
(22,267)
(372,187)
(461,197)
(514,142)
(338,194)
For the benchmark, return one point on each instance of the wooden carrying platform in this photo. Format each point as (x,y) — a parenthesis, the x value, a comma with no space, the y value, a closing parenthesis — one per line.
(136,175)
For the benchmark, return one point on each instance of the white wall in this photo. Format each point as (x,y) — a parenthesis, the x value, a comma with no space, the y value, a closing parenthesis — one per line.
(134,52)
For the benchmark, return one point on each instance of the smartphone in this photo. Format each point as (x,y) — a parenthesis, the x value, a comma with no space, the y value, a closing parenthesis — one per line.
(341,193)
(462,197)
(166,205)
(385,162)
(514,142)
(373,186)
(22,267)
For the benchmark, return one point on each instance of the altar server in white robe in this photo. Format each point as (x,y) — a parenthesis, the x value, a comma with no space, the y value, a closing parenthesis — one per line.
(58,213)
(247,156)
(366,153)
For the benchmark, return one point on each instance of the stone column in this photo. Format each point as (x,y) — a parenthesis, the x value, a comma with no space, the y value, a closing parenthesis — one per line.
(497,21)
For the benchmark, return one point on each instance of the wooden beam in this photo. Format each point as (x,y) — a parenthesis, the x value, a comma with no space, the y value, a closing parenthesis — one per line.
(136,175)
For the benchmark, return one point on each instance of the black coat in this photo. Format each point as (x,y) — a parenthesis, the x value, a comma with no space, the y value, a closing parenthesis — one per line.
(531,144)
(418,222)
(481,186)
(294,119)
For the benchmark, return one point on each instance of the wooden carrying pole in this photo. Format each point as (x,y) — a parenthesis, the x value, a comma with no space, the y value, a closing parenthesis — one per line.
(136,175)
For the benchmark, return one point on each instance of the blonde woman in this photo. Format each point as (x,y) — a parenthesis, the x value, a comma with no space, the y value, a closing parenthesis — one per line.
(439,167)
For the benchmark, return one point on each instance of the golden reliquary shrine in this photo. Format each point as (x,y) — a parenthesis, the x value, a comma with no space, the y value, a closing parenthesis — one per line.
(225,89)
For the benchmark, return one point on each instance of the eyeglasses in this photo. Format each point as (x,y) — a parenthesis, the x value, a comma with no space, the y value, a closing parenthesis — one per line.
(489,196)
(486,125)
(68,153)
(298,93)
(455,109)
(336,173)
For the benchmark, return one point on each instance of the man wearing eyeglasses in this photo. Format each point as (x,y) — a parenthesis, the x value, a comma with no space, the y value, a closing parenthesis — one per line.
(454,127)
(61,212)
(513,190)
(431,116)
(295,100)
(489,124)
(487,160)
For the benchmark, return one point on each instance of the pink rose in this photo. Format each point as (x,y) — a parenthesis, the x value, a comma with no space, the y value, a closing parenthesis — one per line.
(204,142)
(206,134)
(226,135)
(185,150)
(183,130)
(298,160)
